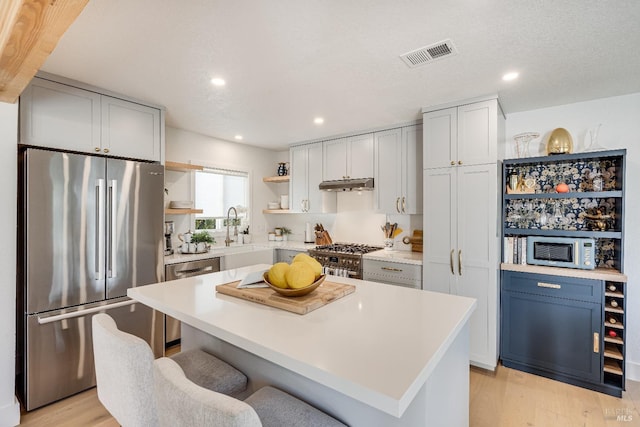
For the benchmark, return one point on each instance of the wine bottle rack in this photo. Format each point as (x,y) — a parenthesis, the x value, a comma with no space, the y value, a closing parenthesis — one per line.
(614,334)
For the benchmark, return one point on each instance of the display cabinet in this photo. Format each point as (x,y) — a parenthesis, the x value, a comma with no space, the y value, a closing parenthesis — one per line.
(574,196)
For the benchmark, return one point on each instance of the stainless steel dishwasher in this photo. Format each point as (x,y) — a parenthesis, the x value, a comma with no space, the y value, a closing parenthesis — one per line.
(180,271)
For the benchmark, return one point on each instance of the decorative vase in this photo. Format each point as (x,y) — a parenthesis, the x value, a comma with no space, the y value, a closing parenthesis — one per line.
(522,143)
(282,169)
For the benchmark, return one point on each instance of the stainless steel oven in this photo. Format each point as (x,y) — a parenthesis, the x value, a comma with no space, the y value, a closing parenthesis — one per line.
(342,259)
(180,271)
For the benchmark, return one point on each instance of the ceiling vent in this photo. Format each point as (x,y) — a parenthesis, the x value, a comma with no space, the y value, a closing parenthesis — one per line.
(430,53)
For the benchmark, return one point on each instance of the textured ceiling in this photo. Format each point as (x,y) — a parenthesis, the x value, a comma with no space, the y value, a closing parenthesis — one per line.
(287,61)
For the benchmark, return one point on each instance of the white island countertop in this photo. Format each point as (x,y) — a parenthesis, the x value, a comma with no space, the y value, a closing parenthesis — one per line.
(378,345)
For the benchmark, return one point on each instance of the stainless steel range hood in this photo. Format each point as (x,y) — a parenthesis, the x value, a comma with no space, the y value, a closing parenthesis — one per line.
(357,184)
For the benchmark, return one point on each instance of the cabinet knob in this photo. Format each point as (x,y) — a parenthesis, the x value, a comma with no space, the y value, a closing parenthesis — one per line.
(452,163)
(106,150)
(459,162)
(97,149)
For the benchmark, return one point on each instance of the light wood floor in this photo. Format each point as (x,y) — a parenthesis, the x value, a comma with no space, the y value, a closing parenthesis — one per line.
(505,398)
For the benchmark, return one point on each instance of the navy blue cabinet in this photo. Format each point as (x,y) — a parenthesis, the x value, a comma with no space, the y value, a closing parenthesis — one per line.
(551,325)
(564,323)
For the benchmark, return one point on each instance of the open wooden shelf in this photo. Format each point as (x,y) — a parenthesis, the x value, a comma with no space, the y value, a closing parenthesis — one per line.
(612,367)
(170,211)
(284,178)
(611,309)
(275,211)
(611,351)
(182,167)
(614,325)
(614,294)
(616,340)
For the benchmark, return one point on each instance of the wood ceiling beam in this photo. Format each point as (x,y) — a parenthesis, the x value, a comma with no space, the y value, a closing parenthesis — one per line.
(29,31)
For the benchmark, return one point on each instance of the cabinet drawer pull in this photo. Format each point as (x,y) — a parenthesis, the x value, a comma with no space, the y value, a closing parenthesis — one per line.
(596,342)
(460,262)
(549,285)
(391,269)
(398,204)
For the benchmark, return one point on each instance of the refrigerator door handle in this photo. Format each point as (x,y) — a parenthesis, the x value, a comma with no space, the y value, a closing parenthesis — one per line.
(80,313)
(113,191)
(99,252)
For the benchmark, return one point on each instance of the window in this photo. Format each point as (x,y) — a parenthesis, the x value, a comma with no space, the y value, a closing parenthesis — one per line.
(216,190)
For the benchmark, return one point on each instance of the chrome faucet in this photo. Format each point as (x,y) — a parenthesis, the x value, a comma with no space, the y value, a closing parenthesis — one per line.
(228,240)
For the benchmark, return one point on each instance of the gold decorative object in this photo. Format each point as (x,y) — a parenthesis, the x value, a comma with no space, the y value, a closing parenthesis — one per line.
(597,220)
(560,142)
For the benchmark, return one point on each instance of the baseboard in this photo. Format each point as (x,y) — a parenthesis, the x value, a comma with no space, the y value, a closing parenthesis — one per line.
(632,371)
(10,414)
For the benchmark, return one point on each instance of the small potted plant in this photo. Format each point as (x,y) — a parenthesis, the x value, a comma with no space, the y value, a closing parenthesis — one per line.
(285,232)
(203,241)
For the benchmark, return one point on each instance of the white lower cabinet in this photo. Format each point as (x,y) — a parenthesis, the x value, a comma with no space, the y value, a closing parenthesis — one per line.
(461,247)
(244,259)
(286,255)
(393,273)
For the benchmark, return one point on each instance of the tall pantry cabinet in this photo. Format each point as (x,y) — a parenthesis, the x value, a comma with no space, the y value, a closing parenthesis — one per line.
(461,213)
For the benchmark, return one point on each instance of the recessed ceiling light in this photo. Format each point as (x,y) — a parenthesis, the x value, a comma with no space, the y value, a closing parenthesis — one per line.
(238,137)
(318,120)
(510,76)
(217,81)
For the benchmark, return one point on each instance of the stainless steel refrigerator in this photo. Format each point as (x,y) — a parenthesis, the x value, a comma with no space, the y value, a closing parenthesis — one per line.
(89,228)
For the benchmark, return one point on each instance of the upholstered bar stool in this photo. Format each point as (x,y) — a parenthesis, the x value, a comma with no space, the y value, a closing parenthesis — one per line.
(183,403)
(124,373)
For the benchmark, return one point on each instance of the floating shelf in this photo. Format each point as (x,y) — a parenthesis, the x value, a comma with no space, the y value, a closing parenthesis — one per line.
(182,167)
(170,211)
(284,178)
(276,211)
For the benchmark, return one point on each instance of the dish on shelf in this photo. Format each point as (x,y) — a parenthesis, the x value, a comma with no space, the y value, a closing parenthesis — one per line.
(287,292)
(273,205)
(181,204)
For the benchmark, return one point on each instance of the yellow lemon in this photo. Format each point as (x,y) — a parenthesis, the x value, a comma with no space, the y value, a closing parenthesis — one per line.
(317,267)
(300,274)
(277,274)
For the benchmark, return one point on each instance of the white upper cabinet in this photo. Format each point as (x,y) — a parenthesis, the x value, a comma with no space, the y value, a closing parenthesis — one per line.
(398,170)
(464,135)
(350,157)
(306,175)
(61,116)
(130,129)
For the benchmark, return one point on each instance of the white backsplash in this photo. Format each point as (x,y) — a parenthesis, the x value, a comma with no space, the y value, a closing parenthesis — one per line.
(354,222)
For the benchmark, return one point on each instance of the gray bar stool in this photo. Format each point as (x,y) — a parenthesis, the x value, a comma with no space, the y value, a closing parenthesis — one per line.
(183,403)
(124,373)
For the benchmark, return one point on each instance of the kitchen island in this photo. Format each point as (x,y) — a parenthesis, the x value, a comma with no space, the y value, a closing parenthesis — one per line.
(381,356)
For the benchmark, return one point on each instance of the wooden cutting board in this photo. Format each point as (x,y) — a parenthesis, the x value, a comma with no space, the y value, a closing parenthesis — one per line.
(416,241)
(326,293)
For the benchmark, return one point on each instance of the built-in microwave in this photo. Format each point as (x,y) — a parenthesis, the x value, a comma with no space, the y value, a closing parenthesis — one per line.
(561,252)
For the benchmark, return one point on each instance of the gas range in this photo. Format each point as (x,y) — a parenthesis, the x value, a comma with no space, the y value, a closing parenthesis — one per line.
(342,259)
